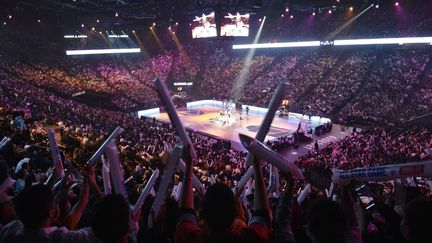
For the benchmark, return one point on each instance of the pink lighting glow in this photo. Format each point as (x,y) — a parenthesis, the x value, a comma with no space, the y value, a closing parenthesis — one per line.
(396,4)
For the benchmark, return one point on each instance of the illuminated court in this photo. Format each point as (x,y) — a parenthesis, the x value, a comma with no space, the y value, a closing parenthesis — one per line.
(207,118)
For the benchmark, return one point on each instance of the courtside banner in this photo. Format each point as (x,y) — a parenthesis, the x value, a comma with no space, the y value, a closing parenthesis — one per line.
(384,173)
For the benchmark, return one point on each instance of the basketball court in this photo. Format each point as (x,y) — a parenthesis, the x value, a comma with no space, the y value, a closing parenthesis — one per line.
(210,120)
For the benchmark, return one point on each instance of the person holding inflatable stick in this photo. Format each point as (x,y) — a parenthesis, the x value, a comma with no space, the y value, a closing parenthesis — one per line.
(145,192)
(268,119)
(195,182)
(117,131)
(106,176)
(55,152)
(115,169)
(265,153)
(175,120)
(244,179)
(162,90)
(165,183)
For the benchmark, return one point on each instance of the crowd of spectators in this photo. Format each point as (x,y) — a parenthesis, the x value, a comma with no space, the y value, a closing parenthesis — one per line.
(378,86)
(366,86)
(85,214)
(374,147)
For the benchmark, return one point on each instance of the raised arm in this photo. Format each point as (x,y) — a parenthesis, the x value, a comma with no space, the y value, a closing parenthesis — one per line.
(283,230)
(186,196)
(260,198)
(78,209)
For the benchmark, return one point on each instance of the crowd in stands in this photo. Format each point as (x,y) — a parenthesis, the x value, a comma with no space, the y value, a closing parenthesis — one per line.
(350,86)
(377,86)
(27,108)
(372,148)
(84,214)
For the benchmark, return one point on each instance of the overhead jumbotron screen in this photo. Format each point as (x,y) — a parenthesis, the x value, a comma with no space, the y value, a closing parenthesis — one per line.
(204,26)
(235,25)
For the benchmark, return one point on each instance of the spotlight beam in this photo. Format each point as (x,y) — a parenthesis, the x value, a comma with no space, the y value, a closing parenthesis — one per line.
(339,29)
(158,41)
(239,84)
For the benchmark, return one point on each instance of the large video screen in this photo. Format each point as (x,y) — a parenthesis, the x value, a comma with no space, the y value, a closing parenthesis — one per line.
(235,25)
(204,26)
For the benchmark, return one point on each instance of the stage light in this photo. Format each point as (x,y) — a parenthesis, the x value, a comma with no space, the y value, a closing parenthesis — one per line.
(116,14)
(10,16)
(396,4)
(351,8)
(118,36)
(313,13)
(38,20)
(74,36)
(292,16)
(282,15)
(82,25)
(384,41)
(93,29)
(154,24)
(133,31)
(277,45)
(287,10)
(4,23)
(330,11)
(176,23)
(100,32)
(183,83)
(102,51)
(151,28)
(377,6)
(97,21)
(260,20)
(174,32)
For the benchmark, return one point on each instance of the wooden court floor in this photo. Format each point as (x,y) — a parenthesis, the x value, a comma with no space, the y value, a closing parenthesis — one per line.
(208,120)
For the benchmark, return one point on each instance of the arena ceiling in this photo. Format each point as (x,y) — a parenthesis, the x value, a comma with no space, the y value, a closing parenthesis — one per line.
(98,6)
(153,7)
